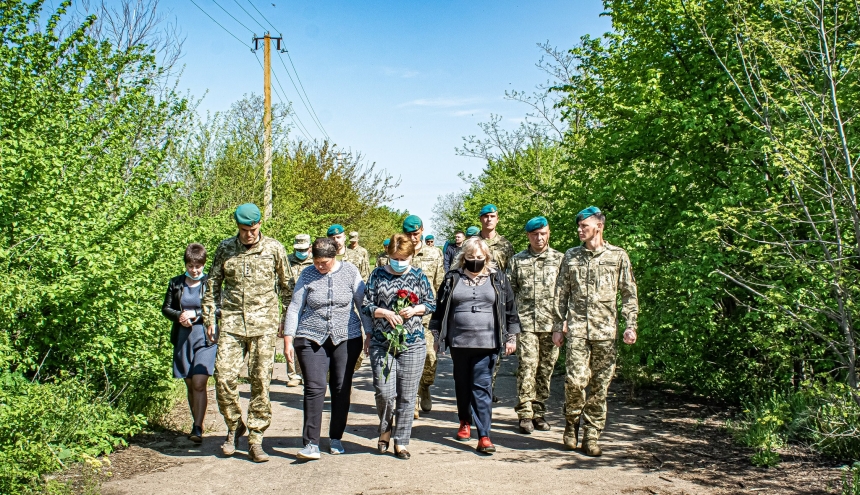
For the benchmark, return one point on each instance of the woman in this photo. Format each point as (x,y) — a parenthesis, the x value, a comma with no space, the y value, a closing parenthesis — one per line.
(396,377)
(476,317)
(323,330)
(193,354)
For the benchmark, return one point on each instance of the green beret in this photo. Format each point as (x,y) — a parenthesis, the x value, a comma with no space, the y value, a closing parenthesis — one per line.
(591,210)
(429,238)
(247,214)
(488,209)
(335,229)
(472,231)
(536,223)
(386,242)
(411,224)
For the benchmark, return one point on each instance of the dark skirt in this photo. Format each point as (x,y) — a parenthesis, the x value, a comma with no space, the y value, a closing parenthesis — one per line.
(193,354)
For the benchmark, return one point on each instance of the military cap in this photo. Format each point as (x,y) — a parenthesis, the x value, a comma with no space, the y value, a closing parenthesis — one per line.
(536,223)
(386,242)
(335,229)
(302,242)
(489,209)
(472,231)
(582,215)
(247,214)
(353,235)
(429,237)
(411,224)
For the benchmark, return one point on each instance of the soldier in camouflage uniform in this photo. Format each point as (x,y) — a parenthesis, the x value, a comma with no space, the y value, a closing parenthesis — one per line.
(357,258)
(429,260)
(353,244)
(382,258)
(532,274)
(587,288)
(299,260)
(252,269)
(502,251)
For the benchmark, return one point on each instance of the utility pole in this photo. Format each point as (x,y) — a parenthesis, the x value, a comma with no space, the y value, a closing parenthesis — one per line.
(267,119)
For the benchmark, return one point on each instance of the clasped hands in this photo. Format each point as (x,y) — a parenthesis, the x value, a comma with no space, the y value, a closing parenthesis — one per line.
(186,319)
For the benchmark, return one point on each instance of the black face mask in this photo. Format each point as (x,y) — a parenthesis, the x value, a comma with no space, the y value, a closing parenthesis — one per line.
(474,266)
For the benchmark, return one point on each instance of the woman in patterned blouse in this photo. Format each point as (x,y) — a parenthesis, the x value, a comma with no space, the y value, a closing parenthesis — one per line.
(396,383)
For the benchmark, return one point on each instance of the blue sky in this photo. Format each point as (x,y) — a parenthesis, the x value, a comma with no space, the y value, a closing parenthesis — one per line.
(399,81)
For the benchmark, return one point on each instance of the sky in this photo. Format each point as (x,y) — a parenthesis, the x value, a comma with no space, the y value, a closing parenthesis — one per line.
(401,82)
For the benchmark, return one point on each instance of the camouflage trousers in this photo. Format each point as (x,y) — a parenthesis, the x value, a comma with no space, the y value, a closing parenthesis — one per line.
(232,350)
(537,356)
(590,363)
(428,376)
(294,371)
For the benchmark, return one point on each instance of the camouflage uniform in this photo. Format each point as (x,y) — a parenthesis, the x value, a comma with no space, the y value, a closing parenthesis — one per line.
(252,279)
(586,293)
(382,259)
(532,277)
(296,267)
(357,258)
(502,251)
(429,260)
(363,252)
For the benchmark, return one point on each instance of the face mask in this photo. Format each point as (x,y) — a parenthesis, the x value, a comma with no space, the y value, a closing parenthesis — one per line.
(194,278)
(302,255)
(474,266)
(399,266)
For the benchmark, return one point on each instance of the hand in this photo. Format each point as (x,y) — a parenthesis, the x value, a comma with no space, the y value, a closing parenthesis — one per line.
(281,329)
(210,332)
(187,317)
(510,348)
(630,336)
(436,346)
(367,345)
(558,339)
(407,312)
(392,318)
(289,350)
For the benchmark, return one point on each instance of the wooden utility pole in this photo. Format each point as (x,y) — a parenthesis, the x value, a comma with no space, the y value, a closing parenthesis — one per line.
(267,120)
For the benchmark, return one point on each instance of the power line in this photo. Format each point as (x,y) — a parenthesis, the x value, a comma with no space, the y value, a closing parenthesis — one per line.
(263,16)
(306,104)
(231,16)
(298,123)
(303,89)
(219,24)
(249,15)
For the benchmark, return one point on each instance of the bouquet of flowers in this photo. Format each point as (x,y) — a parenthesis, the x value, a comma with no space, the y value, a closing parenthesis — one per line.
(397,336)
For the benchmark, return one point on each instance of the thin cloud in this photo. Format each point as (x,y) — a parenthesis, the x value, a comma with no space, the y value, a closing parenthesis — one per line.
(440,102)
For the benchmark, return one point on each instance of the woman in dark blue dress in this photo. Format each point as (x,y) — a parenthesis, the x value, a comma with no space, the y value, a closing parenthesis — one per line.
(193,354)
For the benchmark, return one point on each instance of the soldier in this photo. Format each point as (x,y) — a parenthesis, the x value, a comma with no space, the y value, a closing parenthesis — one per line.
(532,276)
(502,250)
(382,258)
(472,231)
(253,270)
(451,249)
(429,260)
(299,260)
(430,240)
(353,244)
(590,278)
(345,254)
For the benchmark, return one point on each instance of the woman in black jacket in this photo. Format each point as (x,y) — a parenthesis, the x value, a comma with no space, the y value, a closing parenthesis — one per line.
(476,316)
(193,354)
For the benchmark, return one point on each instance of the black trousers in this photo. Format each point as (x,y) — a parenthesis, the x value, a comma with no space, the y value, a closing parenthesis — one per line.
(316,361)
(473,385)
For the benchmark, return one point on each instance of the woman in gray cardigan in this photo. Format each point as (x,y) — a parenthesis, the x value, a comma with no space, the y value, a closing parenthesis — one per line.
(323,330)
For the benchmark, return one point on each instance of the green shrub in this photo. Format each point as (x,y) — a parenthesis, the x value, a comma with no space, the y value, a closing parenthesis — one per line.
(45,426)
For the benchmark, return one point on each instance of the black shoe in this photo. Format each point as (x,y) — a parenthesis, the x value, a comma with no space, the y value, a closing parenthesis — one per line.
(403,454)
(196,435)
(495,399)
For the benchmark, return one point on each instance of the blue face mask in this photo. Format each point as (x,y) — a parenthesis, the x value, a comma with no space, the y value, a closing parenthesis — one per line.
(302,255)
(195,278)
(399,266)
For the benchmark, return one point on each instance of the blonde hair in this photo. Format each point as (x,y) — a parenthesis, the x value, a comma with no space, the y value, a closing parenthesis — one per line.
(400,245)
(470,246)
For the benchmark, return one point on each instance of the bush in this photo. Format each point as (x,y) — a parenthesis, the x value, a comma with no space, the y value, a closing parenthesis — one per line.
(45,426)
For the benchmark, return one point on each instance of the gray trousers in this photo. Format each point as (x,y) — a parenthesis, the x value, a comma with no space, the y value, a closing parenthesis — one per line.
(395,396)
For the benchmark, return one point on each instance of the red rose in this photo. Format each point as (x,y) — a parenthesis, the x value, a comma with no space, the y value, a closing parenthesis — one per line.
(413,298)
(403,293)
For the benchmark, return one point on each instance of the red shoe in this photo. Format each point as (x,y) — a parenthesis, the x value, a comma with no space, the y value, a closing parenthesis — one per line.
(485,445)
(465,432)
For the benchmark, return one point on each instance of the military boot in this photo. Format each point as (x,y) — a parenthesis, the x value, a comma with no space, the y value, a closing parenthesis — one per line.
(571,434)
(257,454)
(589,443)
(424,399)
(228,448)
(526,426)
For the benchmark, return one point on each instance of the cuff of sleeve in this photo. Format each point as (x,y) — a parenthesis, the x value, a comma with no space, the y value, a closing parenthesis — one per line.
(207,321)
(558,327)
(513,329)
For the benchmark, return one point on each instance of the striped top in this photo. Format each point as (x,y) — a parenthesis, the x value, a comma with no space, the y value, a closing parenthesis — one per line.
(327,305)
(381,292)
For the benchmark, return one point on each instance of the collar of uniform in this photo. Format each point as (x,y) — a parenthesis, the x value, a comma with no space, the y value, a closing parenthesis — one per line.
(253,249)
(491,238)
(596,252)
(537,255)
(419,250)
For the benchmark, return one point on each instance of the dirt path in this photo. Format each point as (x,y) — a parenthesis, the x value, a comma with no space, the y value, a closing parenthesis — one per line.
(648,449)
